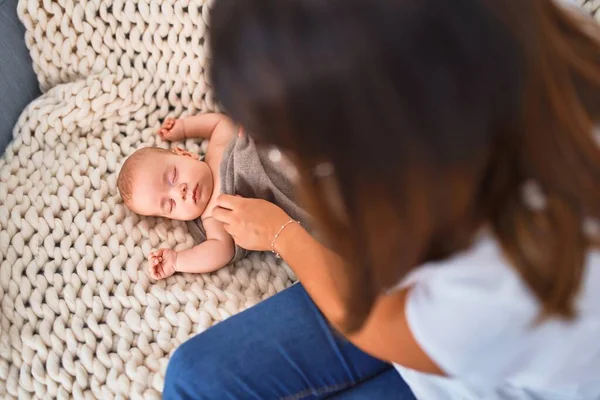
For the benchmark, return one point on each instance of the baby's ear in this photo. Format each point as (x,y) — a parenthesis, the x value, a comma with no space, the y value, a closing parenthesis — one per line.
(181,152)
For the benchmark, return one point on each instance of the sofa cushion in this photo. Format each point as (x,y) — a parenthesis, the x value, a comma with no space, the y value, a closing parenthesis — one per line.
(18,83)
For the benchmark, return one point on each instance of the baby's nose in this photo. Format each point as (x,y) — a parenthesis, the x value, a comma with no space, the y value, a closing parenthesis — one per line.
(184,191)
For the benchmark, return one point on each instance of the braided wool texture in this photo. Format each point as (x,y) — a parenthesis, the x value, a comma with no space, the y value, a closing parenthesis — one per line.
(592,6)
(80,317)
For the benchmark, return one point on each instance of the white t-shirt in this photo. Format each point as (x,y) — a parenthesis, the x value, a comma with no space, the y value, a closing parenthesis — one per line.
(474,317)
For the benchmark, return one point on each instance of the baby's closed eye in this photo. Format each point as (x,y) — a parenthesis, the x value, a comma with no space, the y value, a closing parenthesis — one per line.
(174,176)
(167,205)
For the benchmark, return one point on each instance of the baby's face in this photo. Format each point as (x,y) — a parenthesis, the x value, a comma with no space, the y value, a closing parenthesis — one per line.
(172,186)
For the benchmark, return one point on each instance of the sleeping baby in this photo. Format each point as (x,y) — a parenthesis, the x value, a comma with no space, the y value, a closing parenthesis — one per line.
(178,185)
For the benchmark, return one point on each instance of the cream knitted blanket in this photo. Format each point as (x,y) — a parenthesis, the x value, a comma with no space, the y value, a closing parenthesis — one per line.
(80,317)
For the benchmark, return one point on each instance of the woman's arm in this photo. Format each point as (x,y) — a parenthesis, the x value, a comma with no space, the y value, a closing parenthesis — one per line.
(386,335)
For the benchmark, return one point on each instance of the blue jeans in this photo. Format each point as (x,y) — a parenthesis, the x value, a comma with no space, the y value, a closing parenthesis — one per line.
(282,348)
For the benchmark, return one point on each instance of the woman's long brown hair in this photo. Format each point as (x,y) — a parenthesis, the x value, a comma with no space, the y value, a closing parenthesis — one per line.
(436,116)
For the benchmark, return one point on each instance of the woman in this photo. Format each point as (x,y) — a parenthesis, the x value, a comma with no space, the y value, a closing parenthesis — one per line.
(446,151)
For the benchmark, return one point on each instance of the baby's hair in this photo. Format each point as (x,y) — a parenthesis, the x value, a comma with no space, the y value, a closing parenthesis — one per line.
(125,179)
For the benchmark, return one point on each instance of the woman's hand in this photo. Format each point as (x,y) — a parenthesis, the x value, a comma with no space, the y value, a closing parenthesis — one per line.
(252,223)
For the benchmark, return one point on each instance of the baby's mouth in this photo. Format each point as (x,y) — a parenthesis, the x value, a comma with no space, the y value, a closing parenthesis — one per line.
(196,194)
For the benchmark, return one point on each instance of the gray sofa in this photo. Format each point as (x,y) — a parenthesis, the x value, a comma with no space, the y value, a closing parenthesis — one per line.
(18,84)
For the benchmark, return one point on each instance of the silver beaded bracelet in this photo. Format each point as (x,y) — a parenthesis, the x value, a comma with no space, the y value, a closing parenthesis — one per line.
(279,233)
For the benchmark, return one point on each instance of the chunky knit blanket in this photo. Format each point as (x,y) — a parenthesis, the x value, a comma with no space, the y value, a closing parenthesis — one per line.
(80,317)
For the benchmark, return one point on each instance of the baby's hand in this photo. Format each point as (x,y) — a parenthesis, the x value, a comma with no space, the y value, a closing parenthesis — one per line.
(172,130)
(161,263)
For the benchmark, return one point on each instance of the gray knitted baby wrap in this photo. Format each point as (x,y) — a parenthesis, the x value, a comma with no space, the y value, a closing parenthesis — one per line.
(248,171)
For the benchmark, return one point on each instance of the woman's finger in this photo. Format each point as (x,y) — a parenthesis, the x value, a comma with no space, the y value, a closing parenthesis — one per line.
(228,201)
(227,228)
(222,215)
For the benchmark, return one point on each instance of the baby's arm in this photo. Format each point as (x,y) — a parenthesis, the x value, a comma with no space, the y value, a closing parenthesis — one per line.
(216,252)
(203,126)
